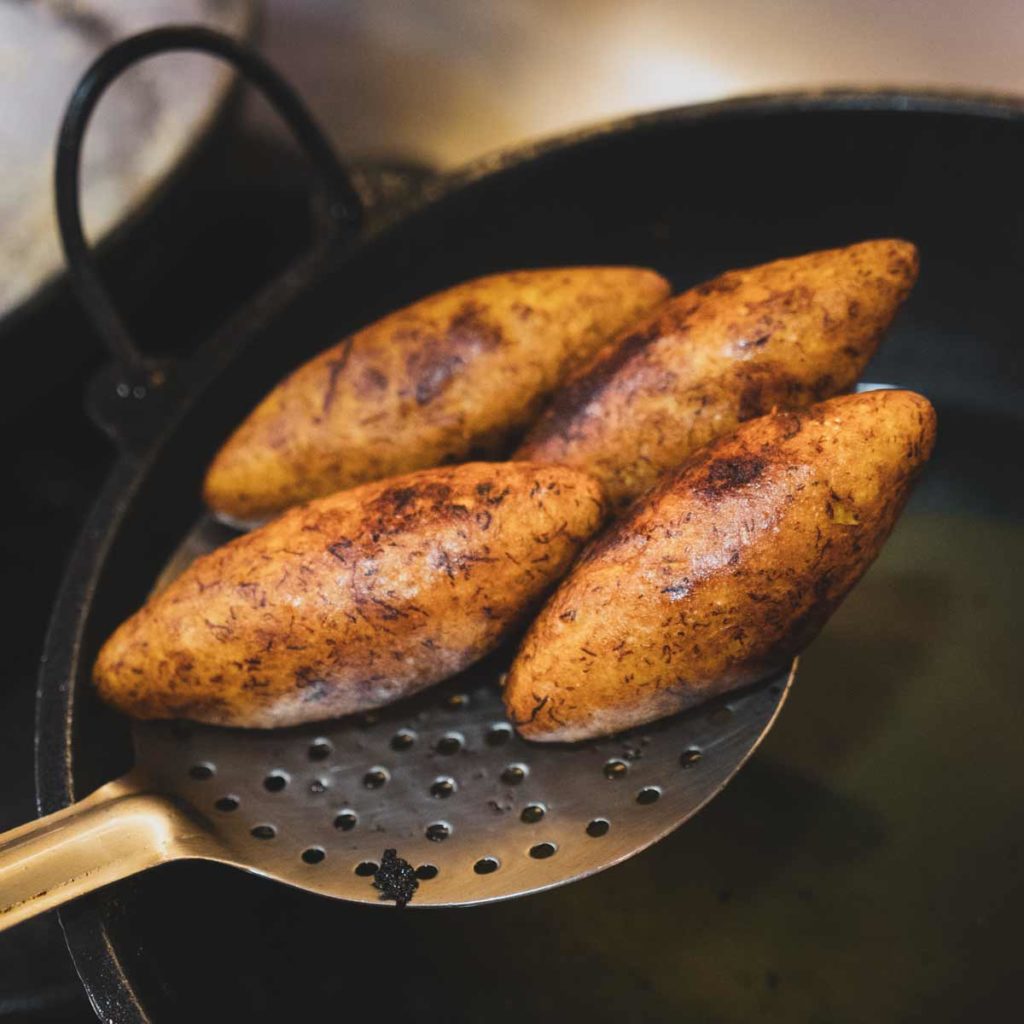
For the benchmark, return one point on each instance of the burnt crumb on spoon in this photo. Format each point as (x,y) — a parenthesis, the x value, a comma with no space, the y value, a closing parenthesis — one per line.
(395,878)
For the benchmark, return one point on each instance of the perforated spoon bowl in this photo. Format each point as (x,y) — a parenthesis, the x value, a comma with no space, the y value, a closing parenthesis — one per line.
(441,779)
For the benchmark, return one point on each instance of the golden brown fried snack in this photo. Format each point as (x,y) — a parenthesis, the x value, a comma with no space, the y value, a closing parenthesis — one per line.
(354,600)
(783,335)
(458,375)
(724,571)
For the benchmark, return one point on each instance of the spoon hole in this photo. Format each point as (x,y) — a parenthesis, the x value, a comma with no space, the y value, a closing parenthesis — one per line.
(498,735)
(319,750)
(346,821)
(450,744)
(275,782)
(514,774)
(403,739)
(443,788)
(532,813)
(375,778)
(688,758)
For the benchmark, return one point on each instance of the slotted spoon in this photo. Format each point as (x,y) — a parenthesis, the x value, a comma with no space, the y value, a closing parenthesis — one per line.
(441,778)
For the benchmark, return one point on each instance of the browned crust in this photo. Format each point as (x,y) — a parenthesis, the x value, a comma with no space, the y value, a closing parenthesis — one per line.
(456,376)
(725,571)
(783,335)
(354,600)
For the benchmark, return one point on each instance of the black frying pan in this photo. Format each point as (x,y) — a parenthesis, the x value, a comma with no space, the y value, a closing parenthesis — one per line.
(866,865)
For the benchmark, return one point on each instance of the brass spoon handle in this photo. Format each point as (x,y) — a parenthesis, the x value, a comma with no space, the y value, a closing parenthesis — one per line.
(117,831)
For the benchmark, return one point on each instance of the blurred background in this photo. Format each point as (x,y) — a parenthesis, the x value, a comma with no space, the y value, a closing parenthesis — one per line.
(197,200)
(445,81)
(448,80)
(442,82)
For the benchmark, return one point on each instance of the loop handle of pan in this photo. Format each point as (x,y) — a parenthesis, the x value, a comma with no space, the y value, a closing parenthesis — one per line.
(338,201)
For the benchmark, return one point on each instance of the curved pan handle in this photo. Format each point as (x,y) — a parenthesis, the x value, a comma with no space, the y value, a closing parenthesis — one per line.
(137,374)
(119,830)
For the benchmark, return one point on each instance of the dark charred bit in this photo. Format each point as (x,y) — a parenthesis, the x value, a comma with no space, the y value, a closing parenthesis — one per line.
(334,371)
(494,500)
(393,508)
(433,365)
(338,548)
(791,424)
(534,711)
(395,878)
(598,377)
(752,400)
(373,380)
(470,325)
(399,497)
(730,474)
